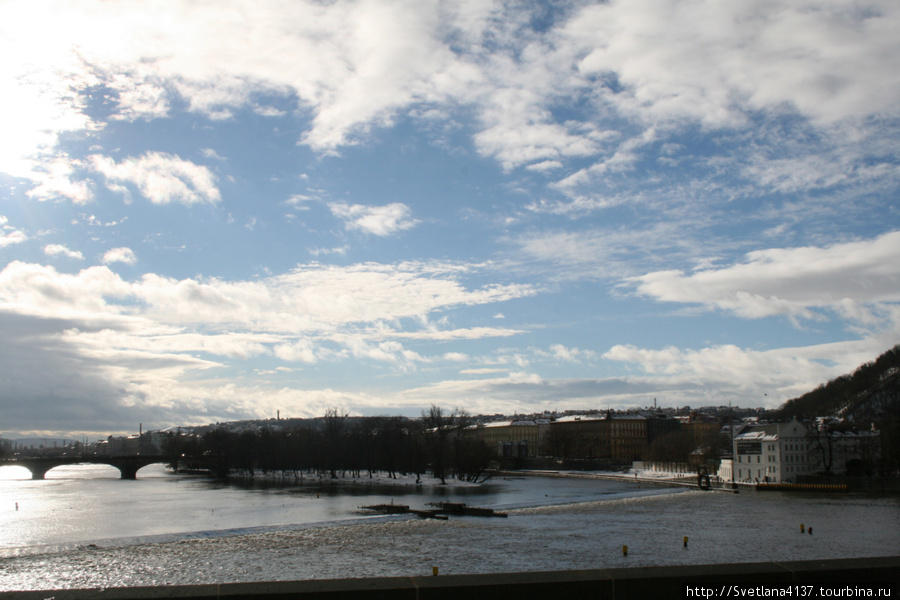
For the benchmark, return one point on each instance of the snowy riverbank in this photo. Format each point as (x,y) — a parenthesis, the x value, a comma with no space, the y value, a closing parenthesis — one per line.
(428,481)
(630,475)
(379,478)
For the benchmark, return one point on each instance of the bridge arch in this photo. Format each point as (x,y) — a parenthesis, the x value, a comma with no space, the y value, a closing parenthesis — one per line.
(128,466)
(81,470)
(13,472)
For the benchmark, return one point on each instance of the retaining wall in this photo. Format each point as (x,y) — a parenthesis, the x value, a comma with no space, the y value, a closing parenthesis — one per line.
(612,584)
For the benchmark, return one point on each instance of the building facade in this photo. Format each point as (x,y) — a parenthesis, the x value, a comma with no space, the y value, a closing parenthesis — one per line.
(620,437)
(512,439)
(774,453)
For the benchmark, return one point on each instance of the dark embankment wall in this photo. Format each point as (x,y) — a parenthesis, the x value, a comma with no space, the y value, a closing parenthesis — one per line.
(617,584)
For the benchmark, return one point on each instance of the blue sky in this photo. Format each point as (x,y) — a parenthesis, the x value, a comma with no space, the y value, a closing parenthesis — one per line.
(217,211)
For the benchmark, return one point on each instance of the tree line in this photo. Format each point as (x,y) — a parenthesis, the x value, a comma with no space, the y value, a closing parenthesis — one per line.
(338,446)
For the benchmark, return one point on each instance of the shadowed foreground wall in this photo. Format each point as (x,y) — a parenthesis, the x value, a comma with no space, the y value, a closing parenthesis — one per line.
(637,583)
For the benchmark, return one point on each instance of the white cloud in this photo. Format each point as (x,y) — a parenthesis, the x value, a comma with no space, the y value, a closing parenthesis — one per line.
(482,371)
(162,178)
(354,66)
(210,153)
(471,333)
(136,343)
(139,96)
(846,164)
(710,62)
(389,351)
(789,281)
(269,111)
(376,220)
(299,201)
(523,392)
(38,104)
(60,250)
(54,178)
(120,255)
(313,299)
(10,235)
(562,353)
(37,290)
(606,252)
(515,141)
(340,251)
(676,377)
(749,377)
(547,165)
(299,351)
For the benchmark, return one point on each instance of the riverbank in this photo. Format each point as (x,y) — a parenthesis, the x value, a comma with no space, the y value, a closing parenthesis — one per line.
(377,478)
(688,480)
(631,476)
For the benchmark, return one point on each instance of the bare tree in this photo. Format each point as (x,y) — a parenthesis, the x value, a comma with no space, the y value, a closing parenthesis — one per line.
(559,442)
(334,431)
(438,428)
(823,438)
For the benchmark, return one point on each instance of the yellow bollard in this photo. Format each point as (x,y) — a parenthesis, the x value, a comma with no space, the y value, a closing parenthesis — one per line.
(624,550)
(434,571)
(685,541)
(802,528)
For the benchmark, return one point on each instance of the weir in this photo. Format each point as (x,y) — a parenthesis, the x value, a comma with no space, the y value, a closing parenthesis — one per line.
(600,584)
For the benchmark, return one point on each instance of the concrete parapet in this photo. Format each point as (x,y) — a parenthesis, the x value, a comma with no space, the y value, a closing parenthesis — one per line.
(802,487)
(613,584)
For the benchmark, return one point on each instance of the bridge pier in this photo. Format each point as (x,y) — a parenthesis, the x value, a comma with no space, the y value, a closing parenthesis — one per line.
(38,471)
(128,470)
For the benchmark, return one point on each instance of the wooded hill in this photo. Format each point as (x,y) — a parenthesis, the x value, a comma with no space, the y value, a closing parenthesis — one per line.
(870,393)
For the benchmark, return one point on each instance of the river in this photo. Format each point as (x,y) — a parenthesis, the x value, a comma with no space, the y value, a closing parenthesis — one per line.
(84,527)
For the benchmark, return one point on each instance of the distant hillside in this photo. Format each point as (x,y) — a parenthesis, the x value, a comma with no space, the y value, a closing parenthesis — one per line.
(872,391)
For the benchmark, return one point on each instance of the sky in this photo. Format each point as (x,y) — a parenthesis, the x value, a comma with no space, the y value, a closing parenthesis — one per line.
(212,211)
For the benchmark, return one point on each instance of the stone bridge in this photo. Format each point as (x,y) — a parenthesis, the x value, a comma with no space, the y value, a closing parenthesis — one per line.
(127,465)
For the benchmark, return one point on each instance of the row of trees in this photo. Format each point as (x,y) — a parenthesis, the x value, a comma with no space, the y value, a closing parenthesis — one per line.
(339,445)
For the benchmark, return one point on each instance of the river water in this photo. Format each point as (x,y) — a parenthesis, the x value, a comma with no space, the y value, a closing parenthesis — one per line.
(84,527)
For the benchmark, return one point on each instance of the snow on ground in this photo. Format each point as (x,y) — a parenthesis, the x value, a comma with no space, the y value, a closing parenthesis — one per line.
(383,479)
(635,475)
(377,478)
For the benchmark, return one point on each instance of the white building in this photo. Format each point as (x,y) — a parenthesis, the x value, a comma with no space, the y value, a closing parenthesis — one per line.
(725,470)
(777,452)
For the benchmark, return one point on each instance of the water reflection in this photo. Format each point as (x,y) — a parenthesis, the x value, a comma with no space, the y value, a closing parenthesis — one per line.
(10,473)
(80,504)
